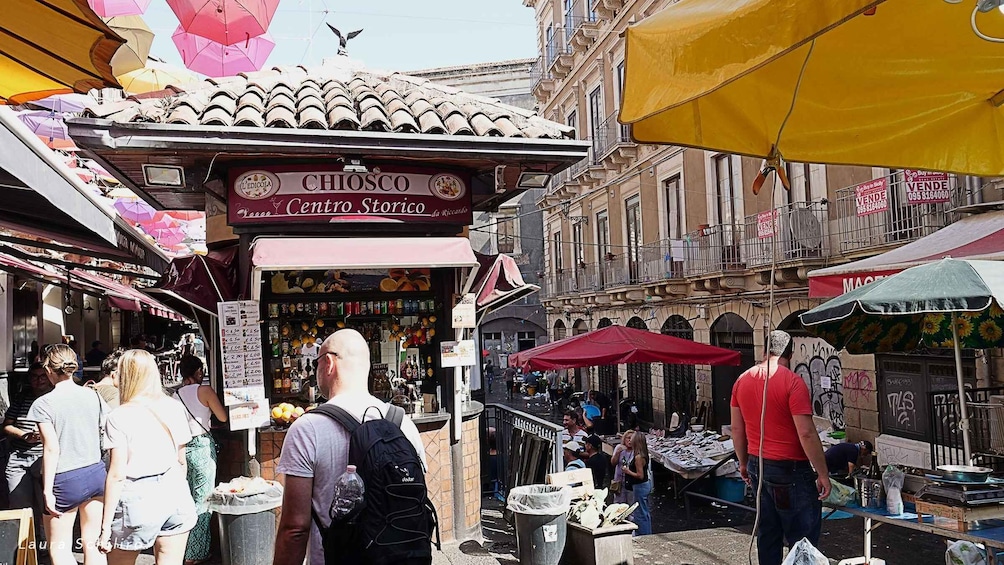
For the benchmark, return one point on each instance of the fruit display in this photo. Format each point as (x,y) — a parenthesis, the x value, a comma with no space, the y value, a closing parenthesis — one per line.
(284,413)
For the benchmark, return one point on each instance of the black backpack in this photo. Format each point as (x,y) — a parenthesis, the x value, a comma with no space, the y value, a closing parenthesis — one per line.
(397,519)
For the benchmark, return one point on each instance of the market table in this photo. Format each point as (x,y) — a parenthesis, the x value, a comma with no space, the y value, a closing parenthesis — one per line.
(990,535)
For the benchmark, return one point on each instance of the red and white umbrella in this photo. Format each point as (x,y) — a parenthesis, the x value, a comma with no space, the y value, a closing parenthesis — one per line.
(225,21)
(215,59)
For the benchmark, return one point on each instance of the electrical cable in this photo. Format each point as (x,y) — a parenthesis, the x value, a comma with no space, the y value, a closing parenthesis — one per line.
(976,28)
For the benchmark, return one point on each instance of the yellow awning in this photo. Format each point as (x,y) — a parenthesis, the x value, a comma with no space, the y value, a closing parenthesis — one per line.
(908,86)
(53,46)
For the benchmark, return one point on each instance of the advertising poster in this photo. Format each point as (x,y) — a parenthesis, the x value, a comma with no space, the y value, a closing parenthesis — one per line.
(924,187)
(872,197)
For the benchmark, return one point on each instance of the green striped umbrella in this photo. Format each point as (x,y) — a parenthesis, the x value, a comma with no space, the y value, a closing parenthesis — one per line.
(952,303)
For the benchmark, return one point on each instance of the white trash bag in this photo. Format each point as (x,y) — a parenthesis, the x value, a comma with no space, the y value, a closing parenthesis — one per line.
(964,553)
(803,553)
(892,480)
(539,500)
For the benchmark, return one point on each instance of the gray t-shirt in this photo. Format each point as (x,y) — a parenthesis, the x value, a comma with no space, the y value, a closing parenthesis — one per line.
(318,447)
(75,412)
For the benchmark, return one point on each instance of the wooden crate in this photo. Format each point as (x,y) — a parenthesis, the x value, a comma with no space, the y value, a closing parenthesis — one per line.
(962,515)
(580,480)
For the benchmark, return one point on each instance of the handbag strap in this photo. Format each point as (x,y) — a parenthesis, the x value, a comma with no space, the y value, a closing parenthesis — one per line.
(189,410)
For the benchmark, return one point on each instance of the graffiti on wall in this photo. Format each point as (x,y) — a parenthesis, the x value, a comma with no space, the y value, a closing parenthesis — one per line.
(818,363)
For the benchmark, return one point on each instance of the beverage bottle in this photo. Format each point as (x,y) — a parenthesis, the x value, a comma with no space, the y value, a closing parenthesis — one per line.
(349,490)
(287,382)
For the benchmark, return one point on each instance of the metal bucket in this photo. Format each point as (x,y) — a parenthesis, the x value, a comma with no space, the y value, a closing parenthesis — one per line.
(871,493)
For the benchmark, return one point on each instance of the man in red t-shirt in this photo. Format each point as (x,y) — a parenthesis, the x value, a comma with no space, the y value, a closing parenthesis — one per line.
(790,497)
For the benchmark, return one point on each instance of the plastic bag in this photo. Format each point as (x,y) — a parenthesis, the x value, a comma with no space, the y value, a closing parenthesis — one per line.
(964,553)
(892,480)
(245,495)
(841,495)
(803,553)
(539,500)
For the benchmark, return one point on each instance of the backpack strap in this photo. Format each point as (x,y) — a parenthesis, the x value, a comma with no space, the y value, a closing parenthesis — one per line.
(395,415)
(339,415)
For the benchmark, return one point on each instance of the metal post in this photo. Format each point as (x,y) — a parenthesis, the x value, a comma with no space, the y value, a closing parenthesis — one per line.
(963,410)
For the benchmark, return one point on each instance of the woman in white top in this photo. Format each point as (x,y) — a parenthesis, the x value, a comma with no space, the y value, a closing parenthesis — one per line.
(147,503)
(201,404)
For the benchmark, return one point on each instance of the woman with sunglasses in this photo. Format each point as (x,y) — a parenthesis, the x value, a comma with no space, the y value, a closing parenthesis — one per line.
(73,477)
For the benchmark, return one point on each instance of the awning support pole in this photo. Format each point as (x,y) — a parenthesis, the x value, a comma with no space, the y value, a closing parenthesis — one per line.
(963,409)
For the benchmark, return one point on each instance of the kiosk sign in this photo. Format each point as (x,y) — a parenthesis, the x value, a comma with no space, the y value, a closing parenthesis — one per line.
(265,196)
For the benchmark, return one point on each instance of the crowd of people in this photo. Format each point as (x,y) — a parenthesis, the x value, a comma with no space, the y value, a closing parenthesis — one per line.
(130,461)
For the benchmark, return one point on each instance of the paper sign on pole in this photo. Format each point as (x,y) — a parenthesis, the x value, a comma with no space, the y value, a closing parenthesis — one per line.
(465,313)
(248,416)
(461,353)
(241,351)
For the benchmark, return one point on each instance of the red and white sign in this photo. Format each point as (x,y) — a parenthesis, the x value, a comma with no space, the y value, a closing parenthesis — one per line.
(871,197)
(924,187)
(767,224)
(284,194)
(829,286)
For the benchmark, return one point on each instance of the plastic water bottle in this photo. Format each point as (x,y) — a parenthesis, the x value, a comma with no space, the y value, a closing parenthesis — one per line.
(349,490)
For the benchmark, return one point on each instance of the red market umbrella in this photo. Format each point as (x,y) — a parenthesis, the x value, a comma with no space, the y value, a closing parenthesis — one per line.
(614,345)
(112,8)
(135,210)
(224,21)
(215,59)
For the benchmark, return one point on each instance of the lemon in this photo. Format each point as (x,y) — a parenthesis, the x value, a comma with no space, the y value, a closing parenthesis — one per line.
(277,412)
(298,411)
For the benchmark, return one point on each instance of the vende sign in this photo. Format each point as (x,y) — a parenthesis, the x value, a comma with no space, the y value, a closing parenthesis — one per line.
(871,197)
(923,187)
(264,196)
(766,224)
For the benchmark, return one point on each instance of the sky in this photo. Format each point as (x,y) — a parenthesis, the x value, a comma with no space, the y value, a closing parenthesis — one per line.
(399,35)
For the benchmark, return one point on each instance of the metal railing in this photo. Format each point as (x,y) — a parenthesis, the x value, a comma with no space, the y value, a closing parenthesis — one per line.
(580,167)
(555,47)
(580,13)
(558,180)
(662,260)
(798,231)
(946,439)
(526,448)
(539,72)
(714,249)
(609,135)
(890,210)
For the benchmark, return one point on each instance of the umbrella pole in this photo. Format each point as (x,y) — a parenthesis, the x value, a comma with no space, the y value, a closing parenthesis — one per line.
(963,410)
(617,400)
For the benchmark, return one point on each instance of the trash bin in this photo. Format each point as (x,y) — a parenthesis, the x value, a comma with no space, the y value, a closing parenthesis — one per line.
(245,509)
(540,522)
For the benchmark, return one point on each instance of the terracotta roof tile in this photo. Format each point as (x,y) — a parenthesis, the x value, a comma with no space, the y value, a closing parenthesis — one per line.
(335,96)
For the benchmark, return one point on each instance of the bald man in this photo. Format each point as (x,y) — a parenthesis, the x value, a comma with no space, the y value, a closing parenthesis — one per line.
(316,449)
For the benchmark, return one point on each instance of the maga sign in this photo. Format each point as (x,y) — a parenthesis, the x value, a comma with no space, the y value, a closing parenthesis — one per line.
(260,196)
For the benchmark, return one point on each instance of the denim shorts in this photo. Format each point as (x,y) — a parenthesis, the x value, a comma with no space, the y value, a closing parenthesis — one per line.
(151,507)
(73,488)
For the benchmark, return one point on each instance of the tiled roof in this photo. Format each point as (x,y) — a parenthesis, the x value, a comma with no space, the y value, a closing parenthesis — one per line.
(334,97)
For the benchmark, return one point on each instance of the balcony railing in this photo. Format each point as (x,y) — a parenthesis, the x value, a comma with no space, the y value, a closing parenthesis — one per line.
(789,233)
(714,249)
(555,47)
(581,166)
(895,210)
(580,13)
(540,72)
(662,260)
(610,134)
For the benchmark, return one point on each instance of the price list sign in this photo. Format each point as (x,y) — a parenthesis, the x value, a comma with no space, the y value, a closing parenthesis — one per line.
(240,340)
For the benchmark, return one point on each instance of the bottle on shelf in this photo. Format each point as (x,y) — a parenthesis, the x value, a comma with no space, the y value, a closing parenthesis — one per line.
(277,381)
(348,491)
(296,382)
(287,383)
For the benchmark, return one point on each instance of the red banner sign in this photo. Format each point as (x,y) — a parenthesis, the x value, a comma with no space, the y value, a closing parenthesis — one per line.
(871,197)
(829,286)
(283,194)
(923,187)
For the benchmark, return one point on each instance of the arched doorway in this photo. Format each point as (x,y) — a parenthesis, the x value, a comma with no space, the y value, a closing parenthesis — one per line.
(639,379)
(731,332)
(579,373)
(793,325)
(607,373)
(559,330)
(679,381)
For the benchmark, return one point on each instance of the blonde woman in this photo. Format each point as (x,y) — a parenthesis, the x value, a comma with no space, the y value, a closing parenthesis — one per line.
(622,455)
(147,503)
(73,476)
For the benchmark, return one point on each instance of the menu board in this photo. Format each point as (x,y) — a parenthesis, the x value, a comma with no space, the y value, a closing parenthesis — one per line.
(241,347)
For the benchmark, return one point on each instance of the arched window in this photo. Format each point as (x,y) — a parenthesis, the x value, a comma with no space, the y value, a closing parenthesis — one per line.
(607,373)
(679,381)
(559,330)
(639,379)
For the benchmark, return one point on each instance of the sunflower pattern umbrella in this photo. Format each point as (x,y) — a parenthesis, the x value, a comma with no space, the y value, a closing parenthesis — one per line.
(951,303)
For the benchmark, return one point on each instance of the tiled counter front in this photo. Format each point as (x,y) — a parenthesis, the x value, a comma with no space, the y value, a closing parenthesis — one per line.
(471,432)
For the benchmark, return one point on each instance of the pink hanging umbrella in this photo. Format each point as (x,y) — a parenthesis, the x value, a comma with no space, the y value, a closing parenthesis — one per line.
(46,125)
(112,8)
(167,236)
(135,210)
(217,60)
(186,215)
(155,223)
(225,21)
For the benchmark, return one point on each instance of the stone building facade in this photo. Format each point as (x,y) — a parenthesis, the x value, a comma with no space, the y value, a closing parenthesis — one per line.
(672,240)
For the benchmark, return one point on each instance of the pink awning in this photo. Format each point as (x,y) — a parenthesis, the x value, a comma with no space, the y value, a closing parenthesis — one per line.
(499,283)
(301,253)
(980,236)
(124,294)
